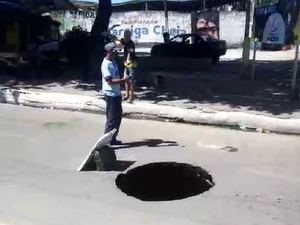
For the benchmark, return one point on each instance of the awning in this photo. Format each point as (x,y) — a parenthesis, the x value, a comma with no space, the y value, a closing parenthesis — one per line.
(37,5)
(8,10)
(173,5)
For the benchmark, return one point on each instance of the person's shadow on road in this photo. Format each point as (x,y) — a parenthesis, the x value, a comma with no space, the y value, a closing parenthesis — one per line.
(148,143)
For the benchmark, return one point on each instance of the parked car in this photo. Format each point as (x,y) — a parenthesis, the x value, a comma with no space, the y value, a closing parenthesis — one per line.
(192,46)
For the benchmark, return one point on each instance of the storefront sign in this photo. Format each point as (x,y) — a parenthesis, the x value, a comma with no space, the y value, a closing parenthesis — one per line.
(207,23)
(150,26)
(274,30)
(275,21)
(146,26)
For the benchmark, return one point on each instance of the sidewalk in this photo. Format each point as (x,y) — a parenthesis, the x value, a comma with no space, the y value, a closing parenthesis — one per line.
(229,101)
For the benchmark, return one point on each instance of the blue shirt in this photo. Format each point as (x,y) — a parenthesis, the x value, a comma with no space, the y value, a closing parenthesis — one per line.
(109,70)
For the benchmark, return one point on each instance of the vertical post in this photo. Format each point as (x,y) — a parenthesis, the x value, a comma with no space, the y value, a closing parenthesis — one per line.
(194,24)
(194,21)
(251,19)
(253,60)
(246,44)
(296,32)
(295,68)
(166,16)
(252,25)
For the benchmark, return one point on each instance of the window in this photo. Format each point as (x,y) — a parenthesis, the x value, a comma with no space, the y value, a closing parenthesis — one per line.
(177,39)
(189,40)
(207,37)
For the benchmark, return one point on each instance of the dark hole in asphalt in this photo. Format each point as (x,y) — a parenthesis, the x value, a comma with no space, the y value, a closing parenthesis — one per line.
(164,181)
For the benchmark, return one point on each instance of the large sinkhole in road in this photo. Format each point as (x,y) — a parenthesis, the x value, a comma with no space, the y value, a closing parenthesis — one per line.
(164,181)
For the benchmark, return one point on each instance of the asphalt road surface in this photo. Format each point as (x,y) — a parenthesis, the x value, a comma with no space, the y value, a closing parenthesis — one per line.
(41,149)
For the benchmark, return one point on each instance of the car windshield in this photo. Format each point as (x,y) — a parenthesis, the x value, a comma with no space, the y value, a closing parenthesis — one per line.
(207,37)
(177,39)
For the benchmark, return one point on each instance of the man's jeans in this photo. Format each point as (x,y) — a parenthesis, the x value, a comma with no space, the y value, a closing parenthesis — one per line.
(114,113)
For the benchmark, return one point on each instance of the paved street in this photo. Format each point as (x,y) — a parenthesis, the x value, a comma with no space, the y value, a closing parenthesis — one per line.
(41,149)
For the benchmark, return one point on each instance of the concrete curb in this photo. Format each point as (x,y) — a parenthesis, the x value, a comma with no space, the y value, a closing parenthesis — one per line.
(149,111)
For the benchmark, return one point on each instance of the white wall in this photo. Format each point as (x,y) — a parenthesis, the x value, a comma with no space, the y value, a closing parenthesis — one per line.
(148,26)
(232,27)
(69,19)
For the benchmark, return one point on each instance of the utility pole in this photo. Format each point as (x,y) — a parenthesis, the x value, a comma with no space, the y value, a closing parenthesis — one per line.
(166,16)
(254,39)
(295,69)
(246,67)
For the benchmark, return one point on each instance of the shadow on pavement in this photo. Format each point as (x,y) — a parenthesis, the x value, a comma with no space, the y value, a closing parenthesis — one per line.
(269,92)
(118,166)
(148,143)
(69,78)
(221,87)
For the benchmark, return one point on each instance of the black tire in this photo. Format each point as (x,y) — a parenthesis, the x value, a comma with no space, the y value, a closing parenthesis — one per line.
(215,60)
(152,53)
(155,52)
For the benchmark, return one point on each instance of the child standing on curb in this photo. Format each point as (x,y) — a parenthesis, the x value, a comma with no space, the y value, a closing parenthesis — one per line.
(129,64)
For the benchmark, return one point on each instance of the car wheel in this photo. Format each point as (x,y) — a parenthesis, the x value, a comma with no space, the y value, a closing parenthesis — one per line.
(215,60)
(153,52)
(156,52)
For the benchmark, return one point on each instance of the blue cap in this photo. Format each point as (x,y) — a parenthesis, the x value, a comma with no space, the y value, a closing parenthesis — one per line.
(110,47)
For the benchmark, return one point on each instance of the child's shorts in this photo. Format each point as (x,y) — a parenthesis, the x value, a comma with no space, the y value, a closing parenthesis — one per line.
(130,72)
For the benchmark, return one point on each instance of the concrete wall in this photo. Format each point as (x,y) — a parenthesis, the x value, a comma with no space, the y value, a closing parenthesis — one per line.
(148,26)
(232,27)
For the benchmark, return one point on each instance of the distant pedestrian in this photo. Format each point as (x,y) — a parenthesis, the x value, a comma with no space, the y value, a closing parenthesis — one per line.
(166,37)
(129,65)
(112,90)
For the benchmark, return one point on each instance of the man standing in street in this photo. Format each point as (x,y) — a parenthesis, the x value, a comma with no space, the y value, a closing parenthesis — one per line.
(111,87)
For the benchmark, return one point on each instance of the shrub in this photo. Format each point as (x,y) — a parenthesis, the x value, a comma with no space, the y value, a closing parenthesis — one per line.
(75,44)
